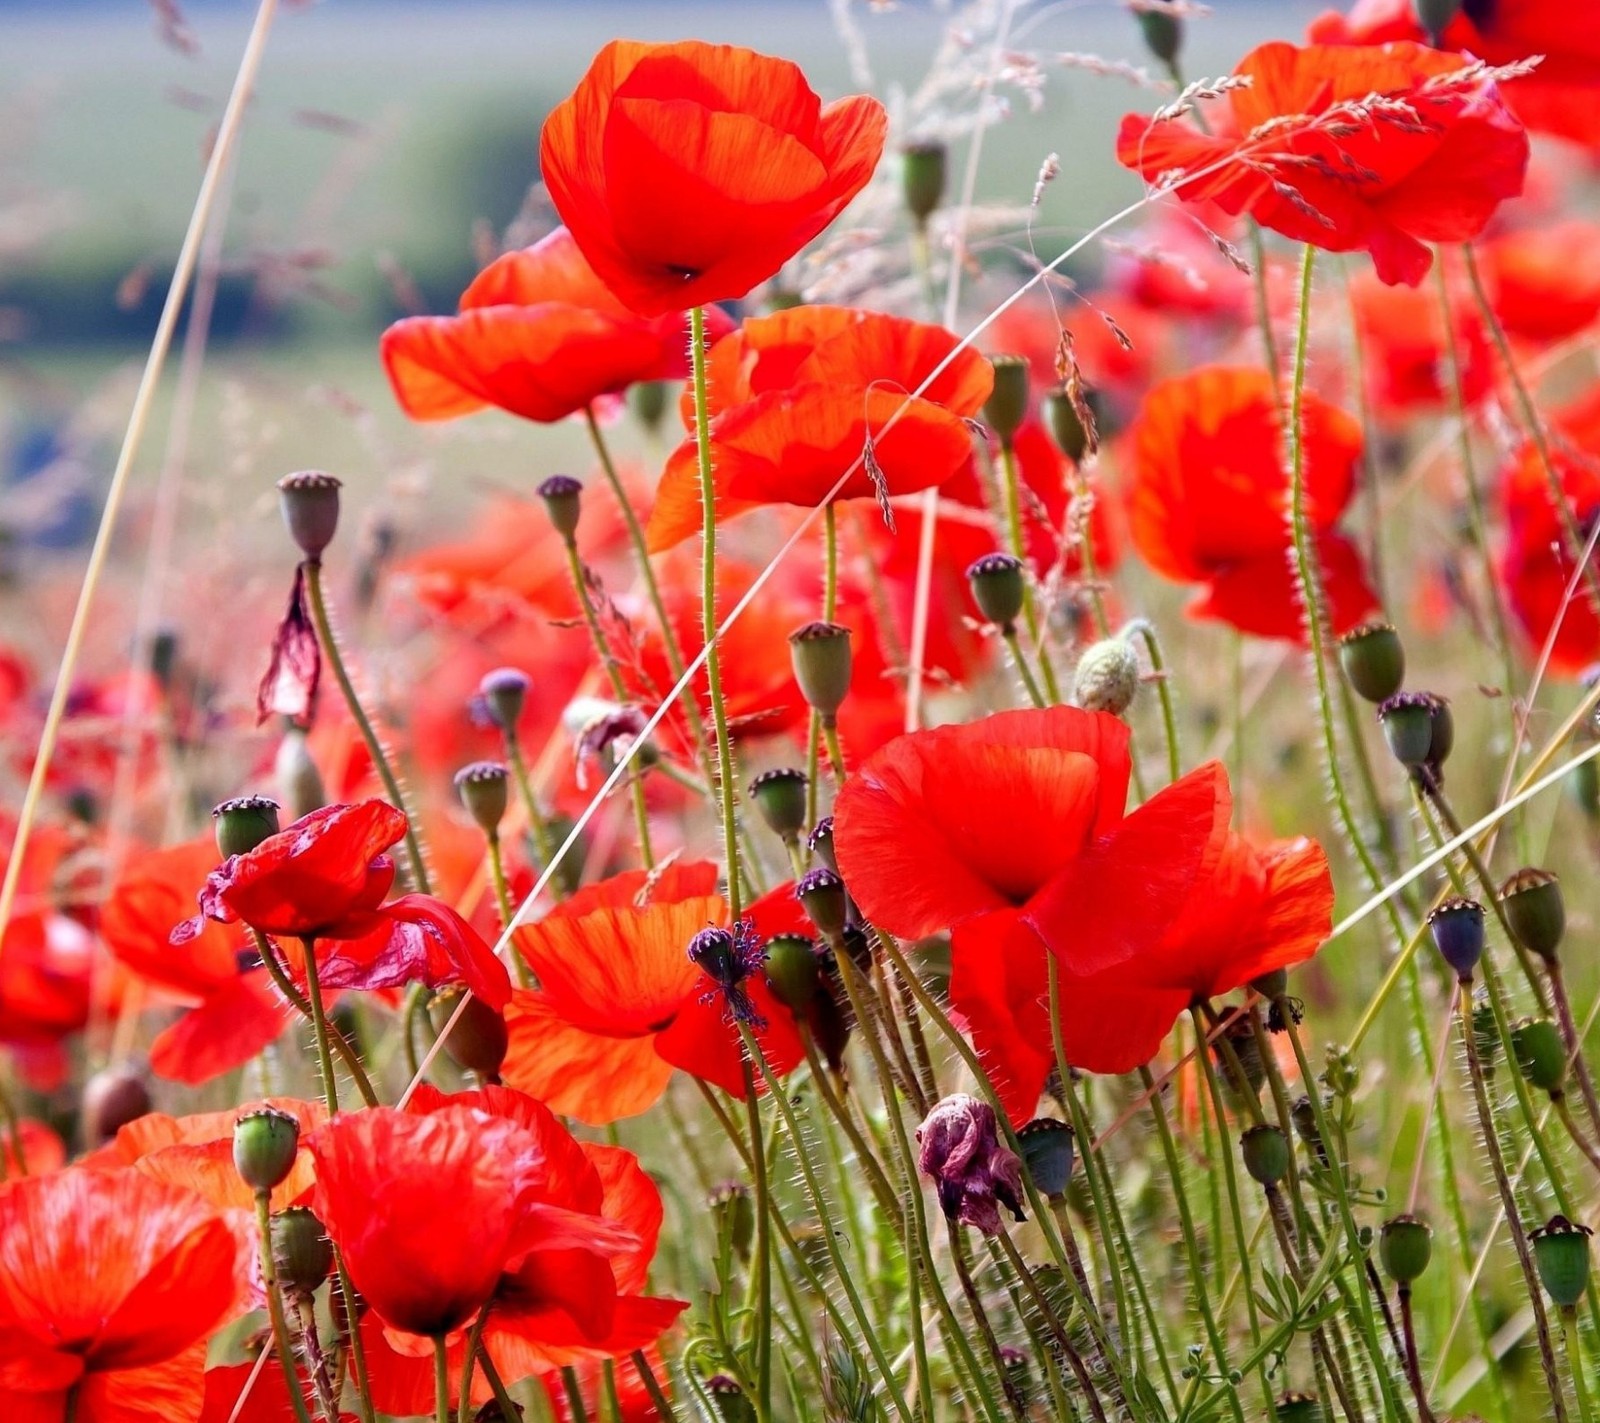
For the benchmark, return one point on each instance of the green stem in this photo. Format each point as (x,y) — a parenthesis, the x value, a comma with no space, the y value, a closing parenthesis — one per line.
(1169,716)
(538,826)
(763,1249)
(297,1000)
(1020,659)
(1011,484)
(280,1327)
(658,1397)
(575,1403)
(1258,266)
(319,1026)
(441,1380)
(502,899)
(474,1344)
(1576,1365)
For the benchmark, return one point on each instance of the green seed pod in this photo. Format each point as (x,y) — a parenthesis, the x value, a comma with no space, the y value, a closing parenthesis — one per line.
(820,655)
(792,971)
(309,501)
(265,1144)
(1107,677)
(1540,1053)
(111,1099)
(1298,1408)
(922,177)
(1007,406)
(1373,660)
(1407,720)
(1266,1154)
(1271,985)
(1066,425)
(1405,1246)
(563,502)
(1443,741)
(479,1039)
(998,588)
(822,895)
(648,399)
(733,1212)
(1457,930)
(1048,1151)
(504,692)
(820,843)
(780,796)
(1535,910)
(485,790)
(1561,1251)
(301,1251)
(296,777)
(243,823)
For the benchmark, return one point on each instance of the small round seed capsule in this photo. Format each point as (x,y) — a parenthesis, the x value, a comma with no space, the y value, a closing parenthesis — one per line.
(1007,406)
(780,796)
(309,501)
(1374,661)
(820,655)
(1405,1246)
(302,1254)
(1540,1053)
(1049,1149)
(1535,910)
(792,971)
(998,588)
(265,1145)
(485,790)
(1266,1154)
(243,823)
(1457,930)
(1561,1252)
(563,502)
(922,178)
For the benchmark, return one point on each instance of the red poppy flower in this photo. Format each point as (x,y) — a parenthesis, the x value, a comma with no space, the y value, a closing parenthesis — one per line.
(1544,282)
(30,1149)
(1558,97)
(1405,347)
(1378,148)
(690,172)
(110,1284)
(620,1005)
(1208,499)
(539,335)
(797,396)
(1536,563)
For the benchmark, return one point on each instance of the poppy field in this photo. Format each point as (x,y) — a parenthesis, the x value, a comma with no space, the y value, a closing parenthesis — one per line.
(867,802)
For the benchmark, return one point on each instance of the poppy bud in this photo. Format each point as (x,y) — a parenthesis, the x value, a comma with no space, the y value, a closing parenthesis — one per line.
(1561,1251)
(1457,930)
(1540,1053)
(728,1398)
(1266,1154)
(111,1099)
(1007,406)
(998,588)
(478,1041)
(310,504)
(563,502)
(485,790)
(1534,908)
(1163,33)
(1408,721)
(1048,1149)
(1374,661)
(820,843)
(1298,1408)
(826,1019)
(732,1209)
(1304,1116)
(265,1143)
(301,1251)
(1434,15)
(1107,679)
(792,971)
(648,401)
(1271,985)
(1240,1036)
(504,692)
(1405,1245)
(780,796)
(822,895)
(820,653)
(243,823)
(1066,425)
(922,166)
(295,774)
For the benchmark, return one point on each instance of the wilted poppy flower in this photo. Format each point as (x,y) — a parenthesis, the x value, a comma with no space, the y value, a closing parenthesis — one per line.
(1385,149)
(800,397)
(690,172)
(110,1285)
(1208,500)
(960,1150)
(1559,95)
(539,335)
(294,671)
(620,1004)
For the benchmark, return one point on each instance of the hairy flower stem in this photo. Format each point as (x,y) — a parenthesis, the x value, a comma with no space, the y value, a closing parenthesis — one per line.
(316,1361)
(1413,1362)
(882,1191)
(297,1000)
(1052,1319)
(441,1380)
(280,1328)
(1011,485)
(1576,1365)
(329,642)
(319,1026)
(658,1397)
(1020,658)
(1571,1039)
(1258,274)
(1145,631)
(1508,1200)
(763,1250)
(538,825)
(985,1326)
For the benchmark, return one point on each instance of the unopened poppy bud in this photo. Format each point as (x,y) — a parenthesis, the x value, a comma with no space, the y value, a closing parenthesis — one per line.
(563,502)
(302,1254)
(648,400)
(1457,930)
(1298,1408)
(485,790)
(1271,985)
(1163,32)
(820,843)
(998,588)
(792,971)
(504,692)
(827,1020)
(822,895)
(1407,719)
(1066,425)
(1303,1114)
(1007,406)
(1048,1149)
(265,1144)
(1107,677)
(732,1209)
(243,823)
(1373,660)
(295,774)
(1535,910)
(728,1398)
(780,796)
(112,1098)
(922,169)
(820,653)
(1561,1251)
(1405,1245)
(1434,15)
(1540,1053)
(477,1043)
(1266,1154)
(309,500)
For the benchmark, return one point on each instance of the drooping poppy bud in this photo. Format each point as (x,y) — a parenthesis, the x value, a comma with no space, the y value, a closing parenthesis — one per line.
(780,796)
(793,971)
(1266,1154)
(1246,1052)
(822,895)
(1048,1151)
(563,502)
(296,777)
(1163,31)
(309,501)
(820,843)
(820,653)
(243,823)
(1271,985)
(1374,661)
(1405,1245)
(503,694)
(1007,406)
(302,1254)
(485,790)
(998,588)
(974,1172)
(477,1043)
(648,400)
(1540,1053)
(265,1143)
(922,177)
(1535,910)
(1457,930)
(111,1099)
(1107,677)
(1561,1251)
(1304,1116)
(1062,415)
